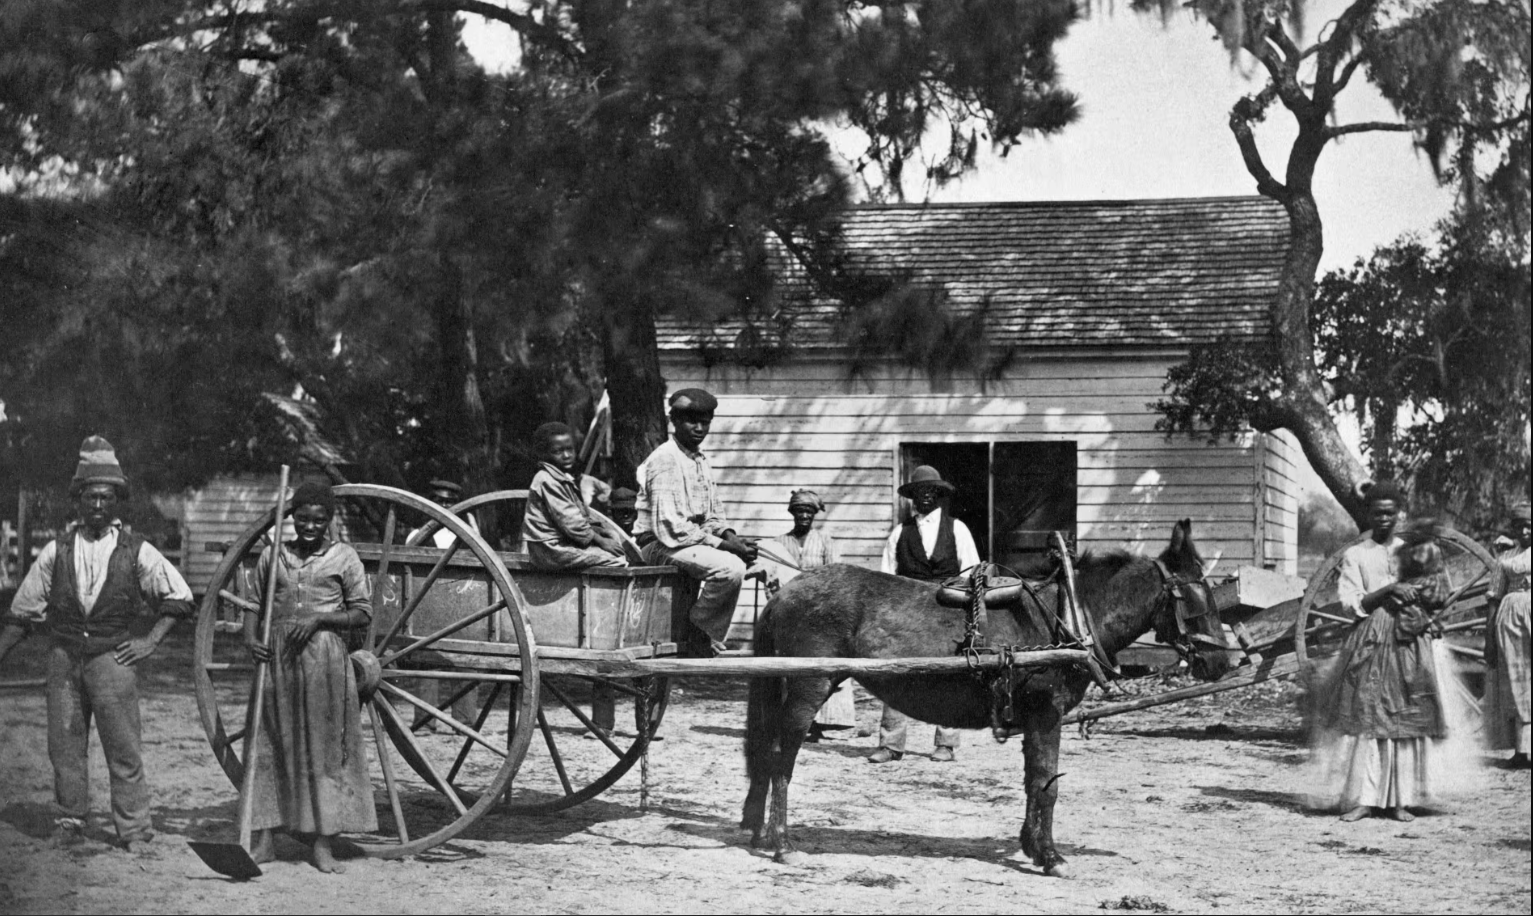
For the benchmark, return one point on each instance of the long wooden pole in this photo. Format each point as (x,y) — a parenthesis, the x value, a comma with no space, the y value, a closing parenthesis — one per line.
(725,666)
(1281,666)
(258,701)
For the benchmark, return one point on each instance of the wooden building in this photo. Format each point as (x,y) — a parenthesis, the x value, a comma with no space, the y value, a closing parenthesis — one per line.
(1085,307)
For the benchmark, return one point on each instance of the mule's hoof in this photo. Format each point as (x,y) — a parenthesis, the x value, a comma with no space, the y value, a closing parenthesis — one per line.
(1057,870)
(792,857)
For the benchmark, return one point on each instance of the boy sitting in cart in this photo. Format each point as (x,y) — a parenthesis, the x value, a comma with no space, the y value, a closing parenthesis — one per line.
(557,528)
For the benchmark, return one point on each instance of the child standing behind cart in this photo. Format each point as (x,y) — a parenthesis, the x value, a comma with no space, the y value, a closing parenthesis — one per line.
(311,775)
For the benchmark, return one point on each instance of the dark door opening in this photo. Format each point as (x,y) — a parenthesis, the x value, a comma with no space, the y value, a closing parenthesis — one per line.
(1011,495)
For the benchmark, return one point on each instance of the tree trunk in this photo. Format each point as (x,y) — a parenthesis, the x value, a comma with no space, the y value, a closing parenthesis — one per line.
(635,385)
(461,406)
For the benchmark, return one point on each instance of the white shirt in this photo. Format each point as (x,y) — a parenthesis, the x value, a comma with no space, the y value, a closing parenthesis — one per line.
(444,538)
(1366,568)
(927,526)
(157,579)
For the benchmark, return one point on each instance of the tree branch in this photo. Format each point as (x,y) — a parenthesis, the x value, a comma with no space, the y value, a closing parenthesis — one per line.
(1241,115)
(1365,126)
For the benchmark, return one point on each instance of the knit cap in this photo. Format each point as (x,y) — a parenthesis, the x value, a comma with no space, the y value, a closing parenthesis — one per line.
(98,464)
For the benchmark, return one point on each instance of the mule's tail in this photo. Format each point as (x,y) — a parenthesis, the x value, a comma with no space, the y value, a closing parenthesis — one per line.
(764,711)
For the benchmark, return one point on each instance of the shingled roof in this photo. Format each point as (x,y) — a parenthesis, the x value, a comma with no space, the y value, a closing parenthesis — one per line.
(1071,273)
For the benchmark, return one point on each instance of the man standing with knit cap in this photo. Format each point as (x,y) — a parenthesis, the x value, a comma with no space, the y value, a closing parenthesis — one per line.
(84,590)
(681,520)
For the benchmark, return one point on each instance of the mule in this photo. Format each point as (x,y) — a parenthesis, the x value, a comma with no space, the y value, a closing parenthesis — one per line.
(849,612)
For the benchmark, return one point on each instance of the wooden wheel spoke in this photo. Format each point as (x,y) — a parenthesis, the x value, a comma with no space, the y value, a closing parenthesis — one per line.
(386,763)
(585,720)
(440,716)
(402,731)
(479,721)
(415,600)
(1465,625)
(1337,618)
(382,577)
(553,752)
(237,601)
(442,633)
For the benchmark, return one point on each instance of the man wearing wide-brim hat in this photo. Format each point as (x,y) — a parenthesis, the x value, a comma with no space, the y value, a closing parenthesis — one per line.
(85,589)
(931,546)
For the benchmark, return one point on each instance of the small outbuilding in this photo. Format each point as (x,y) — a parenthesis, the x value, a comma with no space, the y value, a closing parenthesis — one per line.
(1076,310)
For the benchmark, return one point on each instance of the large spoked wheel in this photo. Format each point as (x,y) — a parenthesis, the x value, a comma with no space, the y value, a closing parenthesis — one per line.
(450,618)
(593,729)
(1323,625)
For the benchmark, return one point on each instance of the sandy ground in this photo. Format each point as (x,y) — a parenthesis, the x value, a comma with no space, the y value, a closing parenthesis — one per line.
(1185,808)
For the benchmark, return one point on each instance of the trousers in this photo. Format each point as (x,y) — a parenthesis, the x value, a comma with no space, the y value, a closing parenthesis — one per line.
(894,724)
(82,689)
(719,573)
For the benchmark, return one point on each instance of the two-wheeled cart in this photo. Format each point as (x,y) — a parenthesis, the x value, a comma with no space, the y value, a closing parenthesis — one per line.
(547,686)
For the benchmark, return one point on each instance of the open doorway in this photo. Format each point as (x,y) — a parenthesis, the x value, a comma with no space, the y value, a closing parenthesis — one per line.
(1011,495)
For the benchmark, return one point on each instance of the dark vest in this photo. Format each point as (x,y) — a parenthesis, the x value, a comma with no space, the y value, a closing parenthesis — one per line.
(911,561)
(115,607)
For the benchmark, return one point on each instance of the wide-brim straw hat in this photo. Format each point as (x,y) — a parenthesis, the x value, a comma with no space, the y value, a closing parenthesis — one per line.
(925,476)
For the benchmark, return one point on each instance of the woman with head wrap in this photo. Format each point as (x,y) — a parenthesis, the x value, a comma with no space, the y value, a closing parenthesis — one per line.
(809,548)
(312,775)
(1509,682)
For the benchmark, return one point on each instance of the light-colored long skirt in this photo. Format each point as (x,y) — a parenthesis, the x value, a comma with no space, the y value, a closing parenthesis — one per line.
(840,710)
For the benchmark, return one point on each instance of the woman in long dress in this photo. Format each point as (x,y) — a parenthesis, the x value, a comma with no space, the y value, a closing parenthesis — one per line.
(809,548)
(1510,681)
(1381,715)
(312,775)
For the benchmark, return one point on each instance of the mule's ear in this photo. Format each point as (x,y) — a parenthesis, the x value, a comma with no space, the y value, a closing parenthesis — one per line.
(1181,537)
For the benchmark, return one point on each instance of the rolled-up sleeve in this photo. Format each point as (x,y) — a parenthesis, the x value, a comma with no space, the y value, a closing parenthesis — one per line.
(1350,589)
(30,604)
(160,582)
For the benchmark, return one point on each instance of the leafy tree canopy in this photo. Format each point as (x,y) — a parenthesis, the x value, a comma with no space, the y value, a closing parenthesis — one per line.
(330,196)
(1457,73)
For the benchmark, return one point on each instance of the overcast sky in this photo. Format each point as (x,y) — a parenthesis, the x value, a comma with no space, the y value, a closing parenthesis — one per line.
(1156,100)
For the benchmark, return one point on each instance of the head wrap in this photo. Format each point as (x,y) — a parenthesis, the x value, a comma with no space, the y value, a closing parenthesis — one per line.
(807,499)
(699,401)
(623,498)
(313,493)
(441,483)
(925,476)
(98,464)
(1519,513)
(545,434)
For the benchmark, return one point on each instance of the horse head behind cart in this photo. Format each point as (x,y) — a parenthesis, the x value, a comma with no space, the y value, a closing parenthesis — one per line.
(851,612)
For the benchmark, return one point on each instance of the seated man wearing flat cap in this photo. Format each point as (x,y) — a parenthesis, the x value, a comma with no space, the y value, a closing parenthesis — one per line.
(681,521)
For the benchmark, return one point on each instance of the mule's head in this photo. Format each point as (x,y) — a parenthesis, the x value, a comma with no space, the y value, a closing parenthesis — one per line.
(1187,618)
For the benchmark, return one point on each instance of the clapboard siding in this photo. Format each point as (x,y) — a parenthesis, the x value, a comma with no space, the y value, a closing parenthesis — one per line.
(220,512)
(804,425)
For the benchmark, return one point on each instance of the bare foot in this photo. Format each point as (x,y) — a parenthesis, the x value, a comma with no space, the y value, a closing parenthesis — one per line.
(261,849)
(324,859)
(1402,815)
(1356,814)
